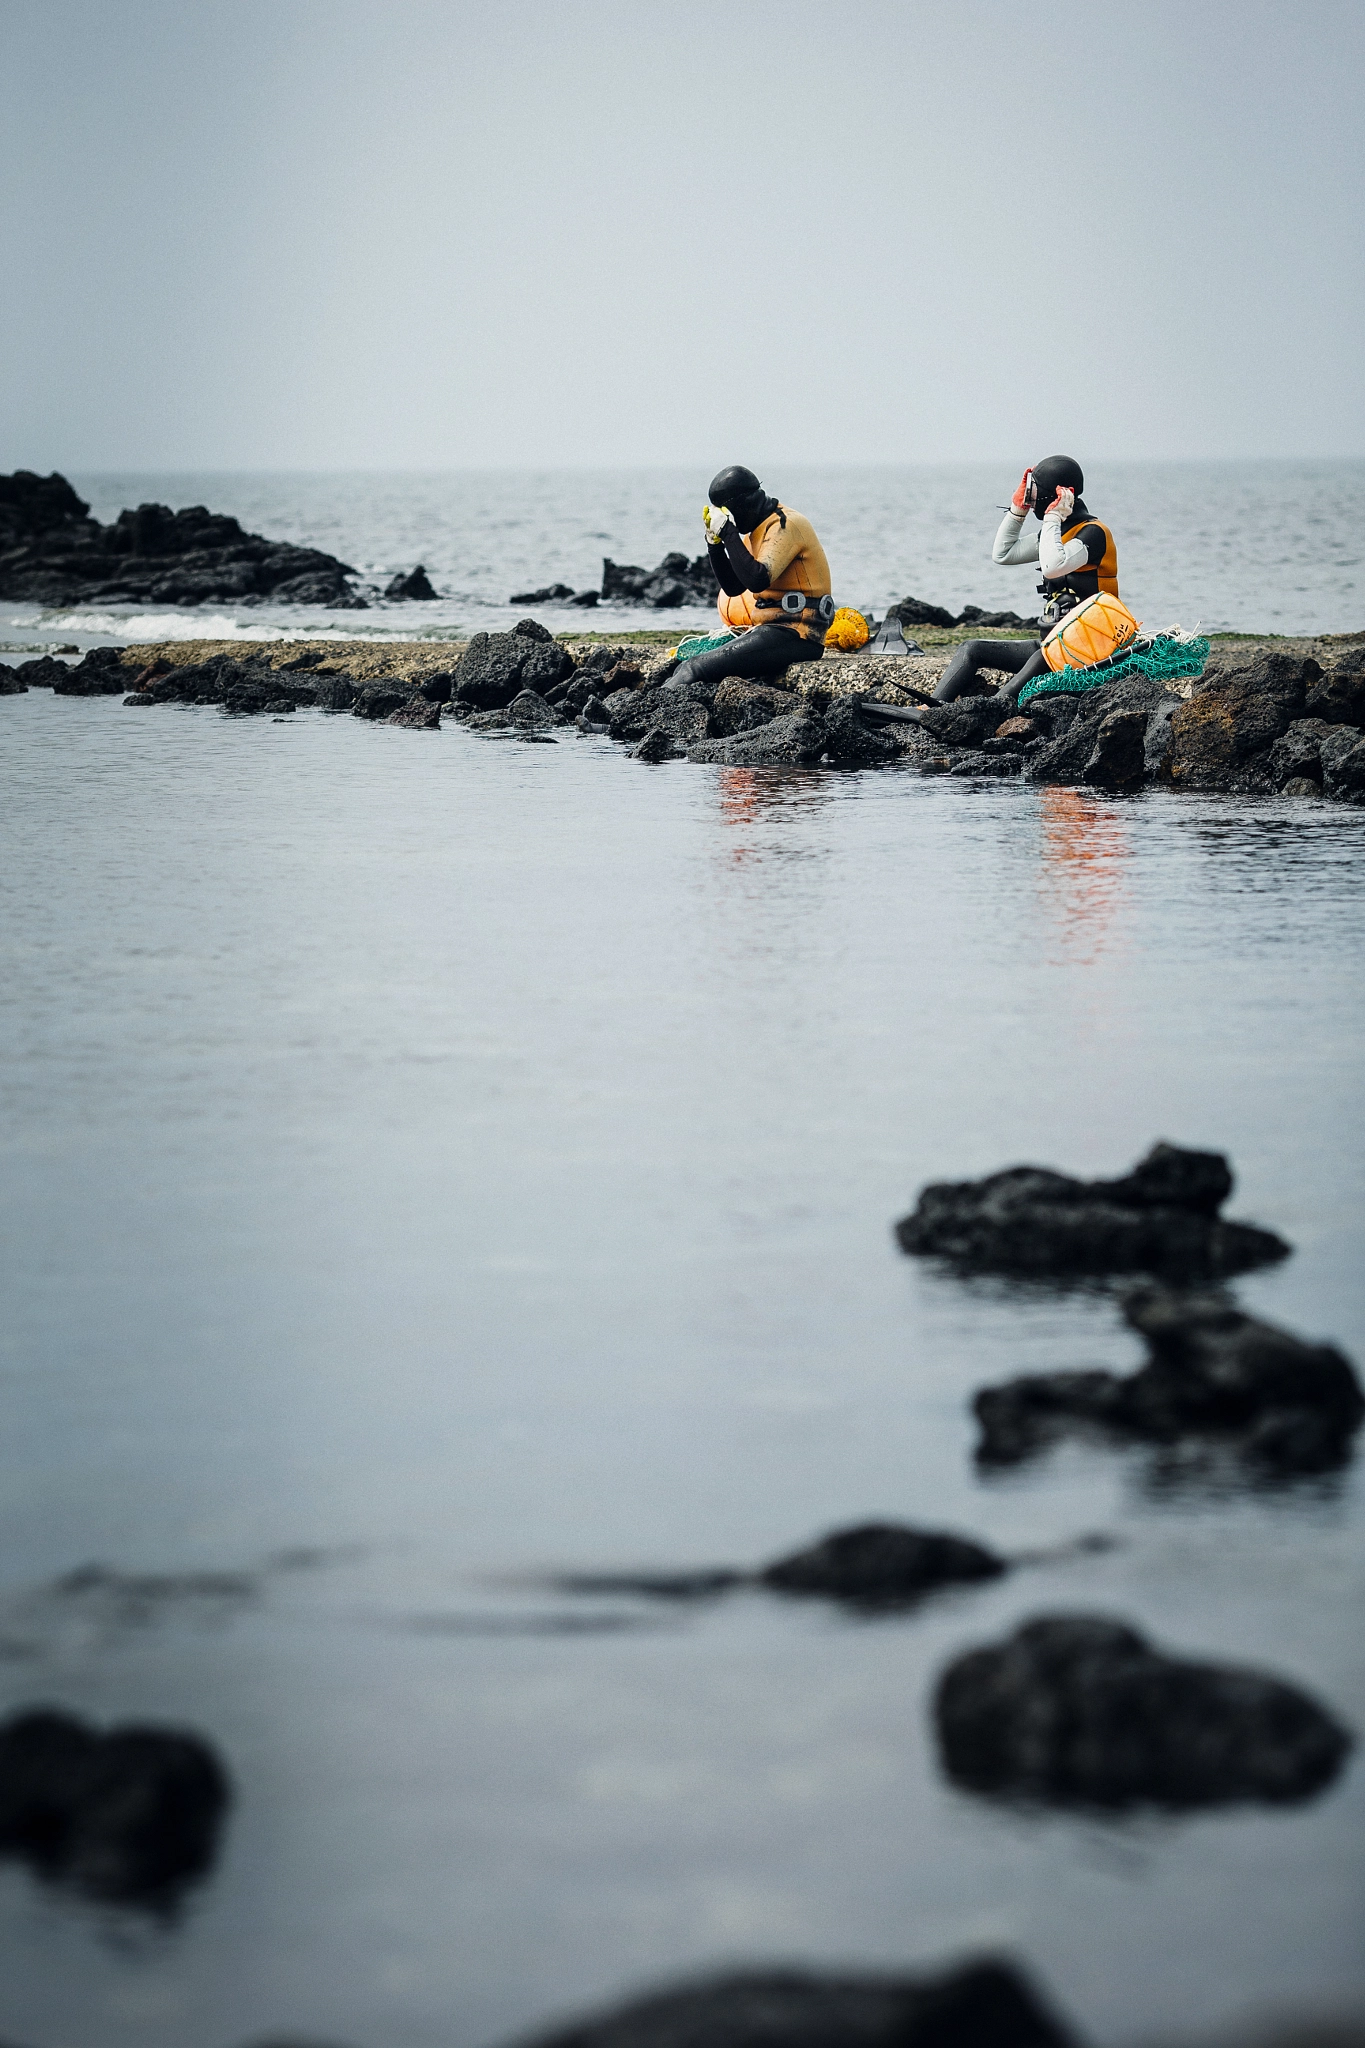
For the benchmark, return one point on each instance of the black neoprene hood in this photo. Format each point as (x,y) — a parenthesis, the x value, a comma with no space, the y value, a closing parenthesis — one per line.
(1055,473)
(741,490)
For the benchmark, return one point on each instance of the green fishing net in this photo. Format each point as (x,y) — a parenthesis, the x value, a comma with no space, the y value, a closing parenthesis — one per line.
(1161,657)
(702,643)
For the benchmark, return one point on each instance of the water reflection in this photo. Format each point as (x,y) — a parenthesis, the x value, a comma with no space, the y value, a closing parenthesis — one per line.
(1083,876)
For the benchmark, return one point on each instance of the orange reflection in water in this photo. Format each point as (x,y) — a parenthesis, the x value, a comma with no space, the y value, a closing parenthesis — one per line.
(1083,883)
(749,795)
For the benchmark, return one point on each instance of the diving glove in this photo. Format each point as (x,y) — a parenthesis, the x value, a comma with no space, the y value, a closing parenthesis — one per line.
(715,518)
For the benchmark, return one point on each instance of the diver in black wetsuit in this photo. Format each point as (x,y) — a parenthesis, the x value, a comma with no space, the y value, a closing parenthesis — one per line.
(774,583)
(1076,554)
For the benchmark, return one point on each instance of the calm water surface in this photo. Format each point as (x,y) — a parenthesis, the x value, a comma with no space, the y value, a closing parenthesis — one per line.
(429,1160)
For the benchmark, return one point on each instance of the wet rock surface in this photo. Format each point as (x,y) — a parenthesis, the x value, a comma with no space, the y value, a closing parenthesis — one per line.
(1282,1404)
(676,581)
(132,1816)
(1080,1710)
(980,2004)
(883,1565)
(1161,1219)
(52,552)
(416,585)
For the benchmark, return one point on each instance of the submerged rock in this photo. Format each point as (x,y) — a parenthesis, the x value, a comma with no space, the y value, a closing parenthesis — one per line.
(1080,1710)
(1281,1404)
(739,705)
(132,1816)
(883,1564)
(981,2004)
(1162,1219)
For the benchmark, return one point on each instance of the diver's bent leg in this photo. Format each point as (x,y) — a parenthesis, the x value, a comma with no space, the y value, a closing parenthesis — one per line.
(972,655)
(758,655)
(1036,666)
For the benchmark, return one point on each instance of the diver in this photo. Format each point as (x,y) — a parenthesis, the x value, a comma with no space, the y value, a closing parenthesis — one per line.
(1076,554)
(774,583)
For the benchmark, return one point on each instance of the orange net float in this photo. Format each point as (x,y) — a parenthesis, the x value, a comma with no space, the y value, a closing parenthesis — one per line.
(1098,627)
(737,613)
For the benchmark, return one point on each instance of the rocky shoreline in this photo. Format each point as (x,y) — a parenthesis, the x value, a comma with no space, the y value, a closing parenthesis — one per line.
(1281,717)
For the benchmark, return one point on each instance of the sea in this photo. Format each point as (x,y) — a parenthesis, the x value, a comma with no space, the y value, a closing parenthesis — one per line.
(433,1165)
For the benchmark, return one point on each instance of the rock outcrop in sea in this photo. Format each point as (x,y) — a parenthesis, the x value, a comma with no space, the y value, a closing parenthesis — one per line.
(131,1816)
(1162,1218)
(53,553)
(1214,1375)
(1079,1710)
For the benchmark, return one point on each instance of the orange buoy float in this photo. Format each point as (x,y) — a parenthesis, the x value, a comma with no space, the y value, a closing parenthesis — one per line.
(1093,630)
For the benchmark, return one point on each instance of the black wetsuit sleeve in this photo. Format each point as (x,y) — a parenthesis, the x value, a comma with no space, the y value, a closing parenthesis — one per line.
(751,575)
(1095,543)
(720,568)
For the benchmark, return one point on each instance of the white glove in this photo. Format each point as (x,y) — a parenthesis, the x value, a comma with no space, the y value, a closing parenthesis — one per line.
(1060,508)
(715,518)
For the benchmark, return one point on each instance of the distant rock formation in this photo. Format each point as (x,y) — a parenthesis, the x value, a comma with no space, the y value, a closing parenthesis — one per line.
(53,553)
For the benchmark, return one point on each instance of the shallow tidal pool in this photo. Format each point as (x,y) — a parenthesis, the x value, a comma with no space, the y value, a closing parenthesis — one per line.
(429,1163)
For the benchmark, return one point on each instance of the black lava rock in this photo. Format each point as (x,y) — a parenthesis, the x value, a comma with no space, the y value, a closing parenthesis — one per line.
(1161,1219)
(415,585)
(1282,1405)
(553,593)
(497,666)
(883,1564)
(676,709)
(676,581)
(419,714)
(796,741)
(1236,714)
(1338,697)
(981,2004)
(657,745)
(10,685)
(1118,758)
(912,611)
(131,1816)
(53,552)
(1080,1710)
(102,673)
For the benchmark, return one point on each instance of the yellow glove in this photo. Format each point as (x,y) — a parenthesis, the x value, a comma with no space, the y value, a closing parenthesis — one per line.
(715,518)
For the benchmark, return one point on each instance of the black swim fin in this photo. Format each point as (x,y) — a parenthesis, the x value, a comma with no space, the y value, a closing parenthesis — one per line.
(890,639)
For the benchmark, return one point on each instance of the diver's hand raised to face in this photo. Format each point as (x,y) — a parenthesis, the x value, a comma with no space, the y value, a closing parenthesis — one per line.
(1060,508)
(1023,496)
(715,518)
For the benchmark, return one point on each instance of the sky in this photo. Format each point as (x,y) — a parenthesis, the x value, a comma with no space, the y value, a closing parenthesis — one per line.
(284,234)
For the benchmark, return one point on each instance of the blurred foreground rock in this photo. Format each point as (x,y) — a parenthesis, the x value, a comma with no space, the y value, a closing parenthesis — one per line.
(1079,1710)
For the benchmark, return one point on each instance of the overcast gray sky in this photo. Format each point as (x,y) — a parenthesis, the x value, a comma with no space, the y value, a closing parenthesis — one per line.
(338,233)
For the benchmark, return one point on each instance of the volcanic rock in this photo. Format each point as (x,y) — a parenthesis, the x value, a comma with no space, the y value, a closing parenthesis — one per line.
(10,685)
(419,713)
(912,611)
(966,721)
(1296,755)
(980,2004)
(1339,696)
(1161,1219)
(415,585)
(496,666)
(1282,1405)
(675,708)
(883,1564)
(739,705)
(1116,760)
(657,745)
(1080,1710)
(52,552)
(1235,714)
(676,581)
(1342,754)
(553,593)
(132,1816)
(797,740)
(1076,733)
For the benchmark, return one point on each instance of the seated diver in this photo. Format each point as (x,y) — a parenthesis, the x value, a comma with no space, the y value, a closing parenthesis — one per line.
(774,583)
(1076,554)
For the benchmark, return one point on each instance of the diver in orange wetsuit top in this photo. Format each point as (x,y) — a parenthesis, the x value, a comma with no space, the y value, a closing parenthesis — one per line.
(774,583)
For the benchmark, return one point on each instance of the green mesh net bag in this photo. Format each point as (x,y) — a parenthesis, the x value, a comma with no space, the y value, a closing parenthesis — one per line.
(702,643)
(1163,657)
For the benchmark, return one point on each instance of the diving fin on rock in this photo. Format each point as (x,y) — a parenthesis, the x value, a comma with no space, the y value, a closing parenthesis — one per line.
(891,639)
